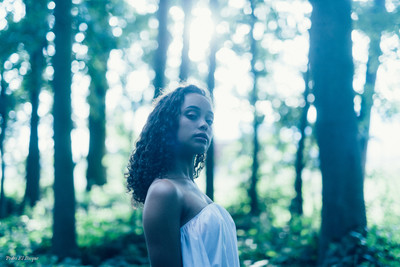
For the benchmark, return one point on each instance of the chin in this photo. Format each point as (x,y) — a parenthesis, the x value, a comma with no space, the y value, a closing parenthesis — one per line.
(200,149)
(193,149)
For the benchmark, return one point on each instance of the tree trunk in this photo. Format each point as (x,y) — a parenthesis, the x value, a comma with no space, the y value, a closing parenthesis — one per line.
(37,12)
(162,49)
(343,208)
(100,42)
(211,85)
(185,64)
(210,171)
(32,192)
(369,88)
(253,194)
(3,125)
(64,233)
(96,171)
(296,207)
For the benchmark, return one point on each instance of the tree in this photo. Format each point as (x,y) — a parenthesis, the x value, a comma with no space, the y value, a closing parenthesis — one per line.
(7,102)
(35,41)
(3,126)
(257,119)
(64,233)
(343,208)
(185,64)
(374,28)
(100,42)
(161,52)
(296,207)
(33,160)
(210,160)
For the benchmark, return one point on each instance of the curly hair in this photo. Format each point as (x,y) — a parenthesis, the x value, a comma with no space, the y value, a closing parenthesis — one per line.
(154,149)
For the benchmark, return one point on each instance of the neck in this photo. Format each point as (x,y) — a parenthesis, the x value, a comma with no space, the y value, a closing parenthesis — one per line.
(182,168)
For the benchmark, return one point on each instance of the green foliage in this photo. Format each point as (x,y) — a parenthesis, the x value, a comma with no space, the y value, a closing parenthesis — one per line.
(109,234)
(262,244)
(25,234)
(100,240)
(384,243)
(101,211)
(296,244)
(365,248)
(104,243)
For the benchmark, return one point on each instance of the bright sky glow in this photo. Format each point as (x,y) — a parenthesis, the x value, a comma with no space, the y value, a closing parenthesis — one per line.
(137,82)
(14,7)
(143,6)
(175,47)
(201,30)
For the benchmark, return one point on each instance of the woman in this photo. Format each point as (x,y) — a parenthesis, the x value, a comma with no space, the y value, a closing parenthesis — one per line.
(182,226)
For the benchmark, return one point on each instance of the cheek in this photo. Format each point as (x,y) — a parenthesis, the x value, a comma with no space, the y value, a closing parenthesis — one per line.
(185,125)
(211,131)
(181,132)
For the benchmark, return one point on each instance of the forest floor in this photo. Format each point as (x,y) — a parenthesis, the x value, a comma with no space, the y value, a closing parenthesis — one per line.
(114,237)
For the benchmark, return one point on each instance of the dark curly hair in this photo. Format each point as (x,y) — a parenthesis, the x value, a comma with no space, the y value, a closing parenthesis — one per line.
(155,147)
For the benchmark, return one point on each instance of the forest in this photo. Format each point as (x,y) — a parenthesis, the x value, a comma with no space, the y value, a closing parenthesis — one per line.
(306,148)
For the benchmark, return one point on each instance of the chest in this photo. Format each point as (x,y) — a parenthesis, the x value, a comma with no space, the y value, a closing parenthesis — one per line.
(193,202)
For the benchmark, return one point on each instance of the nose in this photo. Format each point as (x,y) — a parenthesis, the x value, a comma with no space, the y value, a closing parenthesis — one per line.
(204,125)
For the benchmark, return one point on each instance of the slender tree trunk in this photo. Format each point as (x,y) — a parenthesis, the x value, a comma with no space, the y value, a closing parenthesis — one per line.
(369,88)
(343,208)
(255,209)
(185,64)
(161,52)
(100,42)
(64,233)
(35,11)
(297,202)
(32,193)
(211,85)
(96,171)
(3,125)
(210,171)
(214,6)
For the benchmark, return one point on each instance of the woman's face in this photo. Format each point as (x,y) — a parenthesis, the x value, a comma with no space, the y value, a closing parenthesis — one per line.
(195,124)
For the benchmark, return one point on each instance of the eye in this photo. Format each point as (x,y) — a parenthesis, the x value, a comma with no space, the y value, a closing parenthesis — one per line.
(191,115)
(210,122)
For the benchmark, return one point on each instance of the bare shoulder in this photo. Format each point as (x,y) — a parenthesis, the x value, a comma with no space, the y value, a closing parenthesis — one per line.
(163,190)
(163,200)
(161,222)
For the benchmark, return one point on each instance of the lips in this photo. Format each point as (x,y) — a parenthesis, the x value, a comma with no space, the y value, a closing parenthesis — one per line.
(201,136)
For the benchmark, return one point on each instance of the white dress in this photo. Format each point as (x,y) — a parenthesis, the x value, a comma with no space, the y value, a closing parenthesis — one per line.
(209,239)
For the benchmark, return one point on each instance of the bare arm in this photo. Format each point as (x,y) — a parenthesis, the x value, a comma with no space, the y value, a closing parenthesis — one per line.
(161,222)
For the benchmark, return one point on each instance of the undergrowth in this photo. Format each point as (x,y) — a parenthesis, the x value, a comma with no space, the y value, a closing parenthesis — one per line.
(110,234)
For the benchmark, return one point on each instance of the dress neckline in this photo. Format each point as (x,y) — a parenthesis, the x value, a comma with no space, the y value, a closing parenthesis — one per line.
(199,213)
